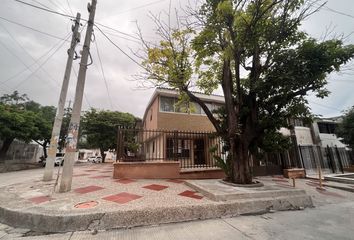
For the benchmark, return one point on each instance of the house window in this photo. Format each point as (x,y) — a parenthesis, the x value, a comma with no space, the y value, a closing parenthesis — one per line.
(195,108)
(167,104)
(328,128)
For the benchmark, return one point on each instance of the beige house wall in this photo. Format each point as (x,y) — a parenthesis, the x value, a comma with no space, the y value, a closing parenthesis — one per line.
(155,119)
(184,122)
(150,121)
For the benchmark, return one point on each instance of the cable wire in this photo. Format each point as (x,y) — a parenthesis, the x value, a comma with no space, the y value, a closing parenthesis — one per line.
(40,66)
(33,29)
(120,49)
(104,76)
(35,62)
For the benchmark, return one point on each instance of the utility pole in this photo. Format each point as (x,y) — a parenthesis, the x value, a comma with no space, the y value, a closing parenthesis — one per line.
(49,167)
(73,132)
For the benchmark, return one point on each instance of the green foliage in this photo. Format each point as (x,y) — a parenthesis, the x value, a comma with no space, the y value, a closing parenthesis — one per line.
(99,128)
(346,128)
(26,120)
(17,123)
(223,164)
(280,64)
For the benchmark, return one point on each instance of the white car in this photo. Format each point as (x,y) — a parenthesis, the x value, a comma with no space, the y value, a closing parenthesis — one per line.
(59,159)
(95,159)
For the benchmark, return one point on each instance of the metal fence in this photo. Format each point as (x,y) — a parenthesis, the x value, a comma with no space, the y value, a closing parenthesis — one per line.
(190,149)
(200,150)
(331,159)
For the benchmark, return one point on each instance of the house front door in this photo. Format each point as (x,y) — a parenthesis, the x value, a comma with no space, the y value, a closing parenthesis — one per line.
(199,154)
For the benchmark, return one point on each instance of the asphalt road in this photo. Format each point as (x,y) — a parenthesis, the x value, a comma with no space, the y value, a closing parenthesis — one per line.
(333,218)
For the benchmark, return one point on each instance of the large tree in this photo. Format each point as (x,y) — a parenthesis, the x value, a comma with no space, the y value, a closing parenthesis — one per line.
(99,128)
(23,119)
(255,51)
(346,128)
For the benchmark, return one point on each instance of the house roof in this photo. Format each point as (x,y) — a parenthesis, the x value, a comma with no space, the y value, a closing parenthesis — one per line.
(169,92)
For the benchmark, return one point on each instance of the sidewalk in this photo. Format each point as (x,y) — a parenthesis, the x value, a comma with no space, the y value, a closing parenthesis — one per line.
(97,201)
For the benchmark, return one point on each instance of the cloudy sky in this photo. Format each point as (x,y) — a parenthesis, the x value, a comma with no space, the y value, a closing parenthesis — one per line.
(33,63)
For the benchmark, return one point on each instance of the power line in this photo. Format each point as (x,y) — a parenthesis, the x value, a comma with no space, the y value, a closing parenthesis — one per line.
(142,6)
(60,7)
(42,4)
(35,62)
(44,9)
(103,75)
(120,49)
(72,17)
(33,29)
(338,12)
(71,11)
(40,66)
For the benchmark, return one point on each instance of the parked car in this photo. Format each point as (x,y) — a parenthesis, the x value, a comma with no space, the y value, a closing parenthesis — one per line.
(59,159)
(95,159)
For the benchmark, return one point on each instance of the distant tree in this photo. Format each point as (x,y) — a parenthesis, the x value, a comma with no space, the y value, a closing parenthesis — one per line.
(26,120)
(346,128)
(44,123)
(255,51)
(99,128)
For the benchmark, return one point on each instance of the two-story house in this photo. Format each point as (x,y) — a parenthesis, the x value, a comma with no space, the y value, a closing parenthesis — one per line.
(179,132)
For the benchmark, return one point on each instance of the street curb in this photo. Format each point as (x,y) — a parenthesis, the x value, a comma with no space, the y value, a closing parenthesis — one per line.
(51,223)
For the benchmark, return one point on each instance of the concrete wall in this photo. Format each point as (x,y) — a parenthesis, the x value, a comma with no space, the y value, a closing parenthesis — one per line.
(147,170)
(161,170)
(303,136)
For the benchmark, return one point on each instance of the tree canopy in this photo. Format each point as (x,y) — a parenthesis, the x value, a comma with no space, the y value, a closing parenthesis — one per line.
(23,119)
(99,128)
(264,64)
(346,128)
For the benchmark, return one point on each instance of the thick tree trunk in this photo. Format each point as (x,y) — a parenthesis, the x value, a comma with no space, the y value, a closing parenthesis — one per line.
(5,147)
(103,155)
(240,159)
(45,143)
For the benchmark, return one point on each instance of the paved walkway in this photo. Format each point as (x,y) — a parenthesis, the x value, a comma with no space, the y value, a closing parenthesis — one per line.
(94,188)
(331,219)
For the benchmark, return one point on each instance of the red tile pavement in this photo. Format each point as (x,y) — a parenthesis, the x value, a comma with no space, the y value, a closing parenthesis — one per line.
(190,194)
(175,181)
(155,187)
(88,189)
(122,198)
(91,170)
(125,181)
(41,199)
(101,176)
